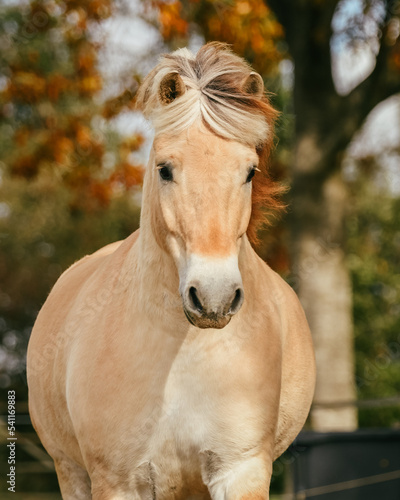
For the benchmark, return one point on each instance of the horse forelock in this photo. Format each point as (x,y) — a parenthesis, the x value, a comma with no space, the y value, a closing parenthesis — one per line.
(216,97)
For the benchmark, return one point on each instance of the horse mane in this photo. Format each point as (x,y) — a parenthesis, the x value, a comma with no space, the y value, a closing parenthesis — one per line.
(220,94)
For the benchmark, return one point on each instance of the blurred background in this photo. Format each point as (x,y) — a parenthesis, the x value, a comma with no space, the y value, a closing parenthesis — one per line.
(73,152)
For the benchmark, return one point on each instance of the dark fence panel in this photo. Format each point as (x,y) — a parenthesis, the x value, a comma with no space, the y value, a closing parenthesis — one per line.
(360,465)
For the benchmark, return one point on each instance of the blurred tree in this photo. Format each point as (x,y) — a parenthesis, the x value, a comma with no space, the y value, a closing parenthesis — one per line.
(325,124)
(65,175)
(51,117)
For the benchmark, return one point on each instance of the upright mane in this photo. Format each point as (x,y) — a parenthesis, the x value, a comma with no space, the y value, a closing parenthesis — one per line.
(223,92)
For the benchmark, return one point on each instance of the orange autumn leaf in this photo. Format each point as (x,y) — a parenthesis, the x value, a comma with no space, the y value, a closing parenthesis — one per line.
(126,100)
(91,84)
(62,149)
(248,25)
(28,85)
(171,22)
(130,144)
(127,175)
(133,176)
(83,135)
(101,191)
(56,85)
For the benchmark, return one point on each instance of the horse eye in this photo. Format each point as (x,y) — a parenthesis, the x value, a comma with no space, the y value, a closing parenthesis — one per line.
(165,173)
(251,174)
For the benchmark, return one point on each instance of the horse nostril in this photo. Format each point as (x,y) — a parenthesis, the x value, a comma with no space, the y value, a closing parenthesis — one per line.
(194,299)
(237,301)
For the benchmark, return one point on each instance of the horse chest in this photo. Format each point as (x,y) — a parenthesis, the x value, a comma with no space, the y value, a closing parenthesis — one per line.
(199,415)
(178,435)
(187,417)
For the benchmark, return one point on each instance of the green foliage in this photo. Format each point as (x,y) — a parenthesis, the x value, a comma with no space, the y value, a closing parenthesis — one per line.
(374,249)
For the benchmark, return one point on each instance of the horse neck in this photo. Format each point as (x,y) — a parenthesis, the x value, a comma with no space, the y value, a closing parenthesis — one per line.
(156,273)
(154,263)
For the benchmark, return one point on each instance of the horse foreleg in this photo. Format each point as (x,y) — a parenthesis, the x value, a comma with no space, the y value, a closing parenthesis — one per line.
(102,492)
(73,480)
(247,480)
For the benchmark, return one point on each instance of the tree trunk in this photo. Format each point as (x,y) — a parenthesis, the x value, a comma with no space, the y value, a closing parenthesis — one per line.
(325,125)
(323,284)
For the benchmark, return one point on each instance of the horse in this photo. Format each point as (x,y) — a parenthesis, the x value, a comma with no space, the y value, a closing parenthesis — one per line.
(176,364)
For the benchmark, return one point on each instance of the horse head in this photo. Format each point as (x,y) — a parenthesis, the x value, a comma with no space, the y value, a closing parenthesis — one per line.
(213,128)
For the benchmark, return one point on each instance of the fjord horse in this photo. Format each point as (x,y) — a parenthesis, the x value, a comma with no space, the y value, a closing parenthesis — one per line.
(176,364)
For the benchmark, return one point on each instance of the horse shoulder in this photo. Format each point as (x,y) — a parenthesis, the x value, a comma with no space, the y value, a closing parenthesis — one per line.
(282,348)
(298,366)
(53,330)
(102,252)
(77,275)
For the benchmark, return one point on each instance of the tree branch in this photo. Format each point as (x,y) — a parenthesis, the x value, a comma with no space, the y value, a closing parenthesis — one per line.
(323,116)
(382,83)
(308,31)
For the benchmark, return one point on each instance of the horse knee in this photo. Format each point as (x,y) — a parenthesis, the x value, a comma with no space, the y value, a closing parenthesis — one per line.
(247,480)
(73,480)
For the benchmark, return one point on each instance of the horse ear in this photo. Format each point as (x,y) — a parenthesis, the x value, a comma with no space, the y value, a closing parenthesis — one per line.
(171,87)
(253,84)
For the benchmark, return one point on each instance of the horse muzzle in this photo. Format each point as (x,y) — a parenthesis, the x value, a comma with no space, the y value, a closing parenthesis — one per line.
(212,291)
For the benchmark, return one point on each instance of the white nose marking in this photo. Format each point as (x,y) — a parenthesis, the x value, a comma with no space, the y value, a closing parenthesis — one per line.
(212,286)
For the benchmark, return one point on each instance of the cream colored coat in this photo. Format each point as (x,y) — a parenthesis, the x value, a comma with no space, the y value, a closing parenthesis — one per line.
(133,401)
